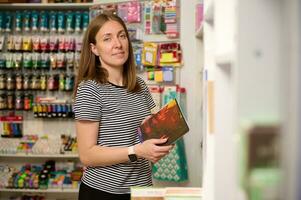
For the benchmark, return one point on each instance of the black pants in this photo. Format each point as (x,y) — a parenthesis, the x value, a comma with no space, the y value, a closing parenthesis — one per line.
(88,193)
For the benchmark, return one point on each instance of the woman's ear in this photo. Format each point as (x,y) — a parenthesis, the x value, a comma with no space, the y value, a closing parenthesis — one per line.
(94,49)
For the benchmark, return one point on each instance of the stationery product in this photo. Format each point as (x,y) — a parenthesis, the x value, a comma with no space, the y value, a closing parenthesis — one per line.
(149,57)
(169,54)
(147,193)
(199,15)
(183,193)
(158,75)
(11,126)
(134,8)
(168,74)
(156,93)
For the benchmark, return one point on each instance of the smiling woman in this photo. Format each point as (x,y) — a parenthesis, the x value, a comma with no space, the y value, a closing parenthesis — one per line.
(112,47)
(110,103)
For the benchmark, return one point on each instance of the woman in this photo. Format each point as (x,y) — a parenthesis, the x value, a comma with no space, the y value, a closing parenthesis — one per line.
(111,102)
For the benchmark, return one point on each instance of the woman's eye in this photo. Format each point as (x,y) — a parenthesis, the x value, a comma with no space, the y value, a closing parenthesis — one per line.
(123,36)
(106,39)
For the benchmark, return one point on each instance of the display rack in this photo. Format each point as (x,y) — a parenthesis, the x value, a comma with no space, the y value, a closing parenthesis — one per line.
(32,125)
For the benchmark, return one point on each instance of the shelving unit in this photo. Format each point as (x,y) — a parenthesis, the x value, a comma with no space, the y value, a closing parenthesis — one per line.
(209,12)
(158,38)
(39,126)
(246,46)
(225,59)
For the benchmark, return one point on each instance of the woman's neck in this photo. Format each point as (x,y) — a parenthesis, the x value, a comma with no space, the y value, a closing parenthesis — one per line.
(115,76)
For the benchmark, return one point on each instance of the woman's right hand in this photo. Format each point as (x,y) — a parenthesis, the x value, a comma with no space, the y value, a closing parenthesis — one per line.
(151,150)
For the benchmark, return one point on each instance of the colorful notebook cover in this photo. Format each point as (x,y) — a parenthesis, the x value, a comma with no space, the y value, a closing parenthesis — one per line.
(167,122)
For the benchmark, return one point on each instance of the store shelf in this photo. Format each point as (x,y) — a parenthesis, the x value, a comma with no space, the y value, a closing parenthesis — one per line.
(225,59)
(61,6)
(199,33)
(109,1)
(209,13)
(67,190)
(158,38)
(21,155)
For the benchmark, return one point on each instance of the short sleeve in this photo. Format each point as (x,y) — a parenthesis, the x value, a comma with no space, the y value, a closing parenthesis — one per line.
(87,105)
(149,99)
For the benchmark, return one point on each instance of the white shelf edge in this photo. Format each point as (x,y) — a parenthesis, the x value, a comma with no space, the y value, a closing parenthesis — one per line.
(209,13)
(224,59)
(50,190)
(158,38)
(46,5)
(199,33)
(20,155)
(109,1)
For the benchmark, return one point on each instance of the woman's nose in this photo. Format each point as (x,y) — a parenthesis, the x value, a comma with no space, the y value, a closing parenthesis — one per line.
(117,42)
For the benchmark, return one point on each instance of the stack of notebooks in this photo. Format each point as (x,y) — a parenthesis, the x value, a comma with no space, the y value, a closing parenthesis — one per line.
(169,193)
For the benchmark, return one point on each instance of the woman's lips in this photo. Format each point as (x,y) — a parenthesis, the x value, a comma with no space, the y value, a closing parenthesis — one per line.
(119,53)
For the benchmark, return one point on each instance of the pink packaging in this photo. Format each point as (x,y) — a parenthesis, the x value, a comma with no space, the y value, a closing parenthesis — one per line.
(134,10)
(199,15)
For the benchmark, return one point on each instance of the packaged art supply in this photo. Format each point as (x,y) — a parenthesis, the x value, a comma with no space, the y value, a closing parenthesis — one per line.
(34,20)
(149,57)
(11,126)
(2,61)
(18,60)
(36,61)
(27,43)
(85,20)
(2,42)
(1,21)
(8,21)
(36,45)
(122,9)
(61,22)
(45,61)
(18,21)
(53,21)
(18,41)
(26,20)
(44,21)
(70,21)
(78,21)
(134,12)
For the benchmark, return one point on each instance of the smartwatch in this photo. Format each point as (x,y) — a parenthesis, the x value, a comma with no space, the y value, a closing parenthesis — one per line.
(131,154)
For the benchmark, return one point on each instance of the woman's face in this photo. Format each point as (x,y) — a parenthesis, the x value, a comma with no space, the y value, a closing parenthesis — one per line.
(112,45)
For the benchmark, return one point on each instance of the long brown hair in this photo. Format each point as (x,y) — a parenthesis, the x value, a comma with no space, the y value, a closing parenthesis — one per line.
(89,64)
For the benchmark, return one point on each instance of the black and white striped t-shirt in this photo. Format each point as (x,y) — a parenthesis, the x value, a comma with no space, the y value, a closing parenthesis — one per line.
(119,113)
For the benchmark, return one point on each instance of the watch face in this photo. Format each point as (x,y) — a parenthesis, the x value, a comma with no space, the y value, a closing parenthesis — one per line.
(132,157)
